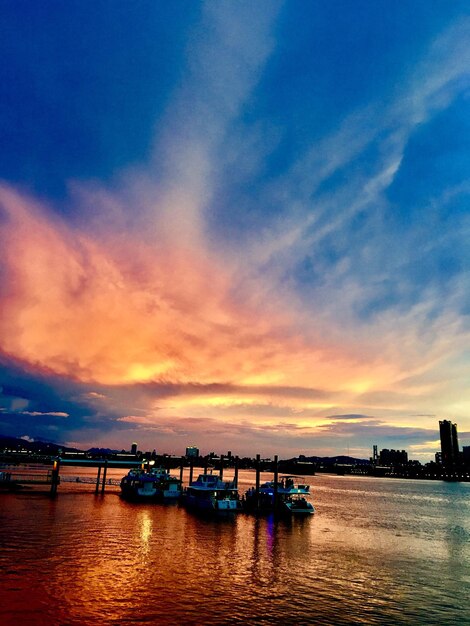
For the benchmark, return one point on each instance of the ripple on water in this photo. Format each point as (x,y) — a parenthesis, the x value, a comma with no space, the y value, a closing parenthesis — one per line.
(86,560)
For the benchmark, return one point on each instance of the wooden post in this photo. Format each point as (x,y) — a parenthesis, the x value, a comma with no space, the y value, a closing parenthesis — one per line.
(98,479)
(257,481)
(181,470)
(221,470)
(205,465)
(104,475)
(235,476)
(191,470)
(55,477)
(276,478)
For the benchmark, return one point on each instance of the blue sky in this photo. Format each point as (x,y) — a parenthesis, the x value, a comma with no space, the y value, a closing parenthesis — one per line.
(236,219)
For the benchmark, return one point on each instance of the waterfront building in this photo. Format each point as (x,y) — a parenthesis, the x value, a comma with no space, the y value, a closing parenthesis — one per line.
(393,457)
(449,443)
(192,452)
(134,448)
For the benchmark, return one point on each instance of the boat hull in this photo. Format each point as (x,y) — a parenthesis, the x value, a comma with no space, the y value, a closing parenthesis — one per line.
(210,505)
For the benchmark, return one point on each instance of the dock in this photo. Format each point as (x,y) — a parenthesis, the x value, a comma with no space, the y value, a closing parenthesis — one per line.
(12,479)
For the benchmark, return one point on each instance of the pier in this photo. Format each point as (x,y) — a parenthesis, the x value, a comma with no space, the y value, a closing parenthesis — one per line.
(269,497)
(12,479)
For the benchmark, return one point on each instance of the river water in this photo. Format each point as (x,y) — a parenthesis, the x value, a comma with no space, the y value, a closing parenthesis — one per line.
(377,551)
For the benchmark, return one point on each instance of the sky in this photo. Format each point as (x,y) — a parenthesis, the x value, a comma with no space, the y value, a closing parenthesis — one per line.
(235,224)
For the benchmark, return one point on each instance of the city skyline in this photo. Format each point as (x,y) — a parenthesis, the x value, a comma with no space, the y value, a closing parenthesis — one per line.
(240,224)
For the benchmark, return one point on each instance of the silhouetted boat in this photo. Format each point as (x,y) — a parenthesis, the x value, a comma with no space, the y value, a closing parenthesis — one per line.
(210,493)
(156,484)
(291,498)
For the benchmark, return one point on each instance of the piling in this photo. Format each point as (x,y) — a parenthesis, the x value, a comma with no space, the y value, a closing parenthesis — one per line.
(258,469)
(181,471)
(191,470)
(55,477)
(104,475)
(235,475)
(276,479)
(221,470)
(98,479)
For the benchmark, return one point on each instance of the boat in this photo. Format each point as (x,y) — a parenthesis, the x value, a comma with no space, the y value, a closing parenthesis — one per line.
(154,484)
(292,499)
(209,493)
(170,486)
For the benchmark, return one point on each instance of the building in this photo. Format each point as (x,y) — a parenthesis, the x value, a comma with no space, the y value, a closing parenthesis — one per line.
(134,448)
(449,443)
(393,457)
(466,455)
(192,452)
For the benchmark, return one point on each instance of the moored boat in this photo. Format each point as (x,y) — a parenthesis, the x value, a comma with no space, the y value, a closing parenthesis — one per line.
(291,498)
(210,493)
(170,486)
(155,484)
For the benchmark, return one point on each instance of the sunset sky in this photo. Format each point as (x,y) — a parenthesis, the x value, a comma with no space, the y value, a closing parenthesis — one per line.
(239,225)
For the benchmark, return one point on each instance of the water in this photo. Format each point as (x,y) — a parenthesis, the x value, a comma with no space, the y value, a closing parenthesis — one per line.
(377,551)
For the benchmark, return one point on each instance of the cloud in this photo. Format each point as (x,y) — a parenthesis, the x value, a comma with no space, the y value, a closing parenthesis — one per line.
(288,435)
(351,416)
(139,311)
(81,308)
(94,395)
(45,413)
(365,153)
(368,429)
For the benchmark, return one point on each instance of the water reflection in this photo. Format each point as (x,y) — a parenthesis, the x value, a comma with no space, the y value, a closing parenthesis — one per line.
(145,523)
(385,559)
(262,562)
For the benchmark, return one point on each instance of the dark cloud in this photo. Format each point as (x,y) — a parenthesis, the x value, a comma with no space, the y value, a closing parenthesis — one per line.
(349,416)
(372,428)
(167,390)
(37,403)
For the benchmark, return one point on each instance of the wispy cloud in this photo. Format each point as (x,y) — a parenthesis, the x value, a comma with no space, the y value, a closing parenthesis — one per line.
(43,413)
(302,326)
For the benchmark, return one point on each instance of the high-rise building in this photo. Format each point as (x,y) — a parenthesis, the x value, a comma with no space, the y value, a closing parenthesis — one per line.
(192,451)
(449,443)
(466,455)
(134,448)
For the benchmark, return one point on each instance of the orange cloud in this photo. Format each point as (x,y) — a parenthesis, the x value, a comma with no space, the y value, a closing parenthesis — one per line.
(114,310)
(105,312)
